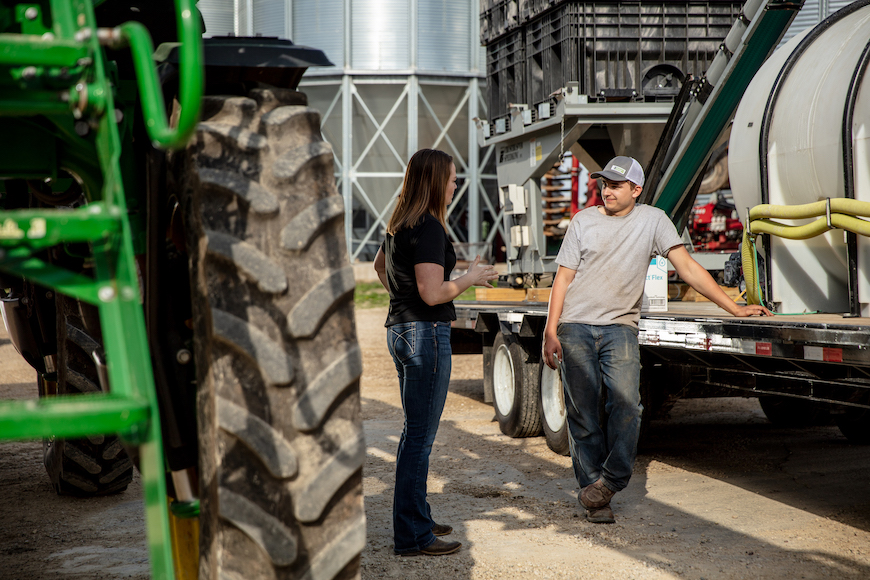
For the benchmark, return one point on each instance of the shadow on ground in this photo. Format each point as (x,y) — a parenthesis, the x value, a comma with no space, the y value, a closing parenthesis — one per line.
(685,512)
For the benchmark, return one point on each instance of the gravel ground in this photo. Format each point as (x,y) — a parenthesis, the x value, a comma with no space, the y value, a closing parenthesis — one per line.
(719,493)
(43,535)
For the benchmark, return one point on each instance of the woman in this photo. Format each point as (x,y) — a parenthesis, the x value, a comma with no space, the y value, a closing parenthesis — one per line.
(414,265)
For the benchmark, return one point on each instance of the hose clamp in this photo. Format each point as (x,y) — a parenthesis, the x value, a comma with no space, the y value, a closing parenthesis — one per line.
(828,212)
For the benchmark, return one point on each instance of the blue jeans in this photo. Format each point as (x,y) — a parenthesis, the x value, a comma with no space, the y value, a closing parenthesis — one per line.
(602,361)
(421,351)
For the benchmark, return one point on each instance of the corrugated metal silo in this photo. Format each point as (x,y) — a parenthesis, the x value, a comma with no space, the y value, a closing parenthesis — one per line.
(320,23)
(268,17)
(813,12)
(410,78)
(219,16)
(408,75)
(380,35)
(443,36)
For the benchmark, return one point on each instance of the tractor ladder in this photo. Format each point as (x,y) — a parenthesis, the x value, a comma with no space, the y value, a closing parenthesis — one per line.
(43,57)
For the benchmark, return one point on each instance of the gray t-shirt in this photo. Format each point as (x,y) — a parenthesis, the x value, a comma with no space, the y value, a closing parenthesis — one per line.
(611,255)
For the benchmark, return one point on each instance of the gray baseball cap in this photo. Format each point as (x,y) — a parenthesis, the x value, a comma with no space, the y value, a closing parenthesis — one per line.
(622,168)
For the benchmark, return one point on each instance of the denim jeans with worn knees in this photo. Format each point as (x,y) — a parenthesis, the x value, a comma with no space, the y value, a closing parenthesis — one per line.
(421,351)
(602,361)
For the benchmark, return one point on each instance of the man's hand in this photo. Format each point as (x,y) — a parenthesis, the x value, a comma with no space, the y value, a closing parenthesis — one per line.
(552,350)
(698,278)
(752,309)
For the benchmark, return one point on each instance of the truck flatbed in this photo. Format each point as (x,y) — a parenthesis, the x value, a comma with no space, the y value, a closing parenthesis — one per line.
(710,310)
(680,310)
(822,357)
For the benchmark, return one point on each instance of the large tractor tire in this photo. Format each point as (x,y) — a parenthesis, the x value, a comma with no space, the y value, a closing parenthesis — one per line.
(278,363)
(98,464)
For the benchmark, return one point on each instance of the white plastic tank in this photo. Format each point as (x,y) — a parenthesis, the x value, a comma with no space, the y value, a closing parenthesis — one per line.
(805,159)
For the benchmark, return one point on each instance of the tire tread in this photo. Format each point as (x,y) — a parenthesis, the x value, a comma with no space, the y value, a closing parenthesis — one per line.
(281,444)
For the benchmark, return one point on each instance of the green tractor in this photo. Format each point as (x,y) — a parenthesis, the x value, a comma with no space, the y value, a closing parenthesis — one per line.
(173,266)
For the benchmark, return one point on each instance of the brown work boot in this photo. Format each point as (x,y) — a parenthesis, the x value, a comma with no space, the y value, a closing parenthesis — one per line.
(602,515)
(441,529)
(596,495)
(437,548)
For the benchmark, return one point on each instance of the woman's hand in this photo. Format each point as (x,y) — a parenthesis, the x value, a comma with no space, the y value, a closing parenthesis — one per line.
(481,274)
(434,289)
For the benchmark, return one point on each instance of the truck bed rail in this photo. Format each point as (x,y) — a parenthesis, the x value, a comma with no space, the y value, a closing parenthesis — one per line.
(818,357)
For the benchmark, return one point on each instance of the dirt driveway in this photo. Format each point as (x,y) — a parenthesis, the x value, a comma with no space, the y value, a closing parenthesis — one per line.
(718,493)
(43,535)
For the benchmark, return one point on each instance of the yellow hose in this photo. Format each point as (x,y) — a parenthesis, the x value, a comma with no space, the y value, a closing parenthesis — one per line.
(808,210)
(747,255)
(846,215)
(812,229)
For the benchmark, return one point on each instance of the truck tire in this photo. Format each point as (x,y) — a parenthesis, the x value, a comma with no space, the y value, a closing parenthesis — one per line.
(278,364)
(488,394)
(787,412)
(553,415)
(95,465)
(516,395)
(854,424)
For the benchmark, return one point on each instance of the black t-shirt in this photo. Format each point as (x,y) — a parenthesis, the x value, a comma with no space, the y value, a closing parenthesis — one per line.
(425,243)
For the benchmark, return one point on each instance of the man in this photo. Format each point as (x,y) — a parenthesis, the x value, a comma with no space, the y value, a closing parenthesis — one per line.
(592,326)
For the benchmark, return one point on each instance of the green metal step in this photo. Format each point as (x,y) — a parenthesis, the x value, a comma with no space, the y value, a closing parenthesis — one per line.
(61,73)
(43,228)
(75,416)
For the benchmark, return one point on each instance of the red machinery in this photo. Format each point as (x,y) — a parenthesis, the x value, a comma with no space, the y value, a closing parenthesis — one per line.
(714,226)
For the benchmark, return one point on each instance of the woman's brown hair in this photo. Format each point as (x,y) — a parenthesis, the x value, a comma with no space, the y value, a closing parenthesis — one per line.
(423,190)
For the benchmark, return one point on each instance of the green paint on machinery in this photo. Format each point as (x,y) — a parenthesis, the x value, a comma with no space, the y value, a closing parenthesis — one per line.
(64,113)
(134,162)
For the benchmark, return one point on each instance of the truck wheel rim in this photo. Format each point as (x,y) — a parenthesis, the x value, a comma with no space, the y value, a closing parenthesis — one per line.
(503,380)
(552,399)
